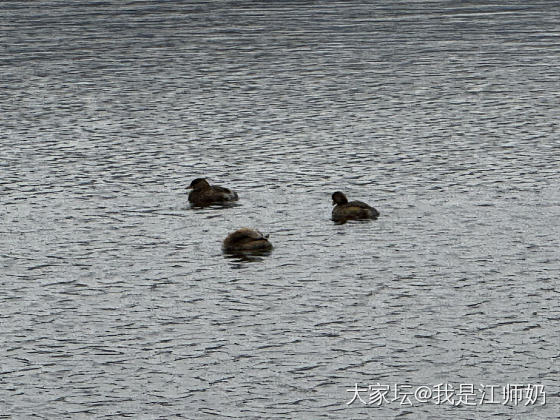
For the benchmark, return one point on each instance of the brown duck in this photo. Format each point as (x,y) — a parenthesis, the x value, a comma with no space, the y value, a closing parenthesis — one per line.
(246,239)
(204,194)
(353,210)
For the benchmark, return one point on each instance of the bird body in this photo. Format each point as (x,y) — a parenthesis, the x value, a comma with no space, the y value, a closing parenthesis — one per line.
(246,239)
(204,194)
(351,210)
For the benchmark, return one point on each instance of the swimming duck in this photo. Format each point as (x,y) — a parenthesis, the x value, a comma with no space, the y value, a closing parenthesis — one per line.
(353,210)
(204,194)
(246,239)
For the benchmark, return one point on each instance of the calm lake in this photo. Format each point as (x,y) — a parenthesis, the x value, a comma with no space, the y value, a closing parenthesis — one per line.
(116,299)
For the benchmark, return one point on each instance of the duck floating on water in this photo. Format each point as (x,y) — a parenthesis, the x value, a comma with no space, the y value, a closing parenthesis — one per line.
(246,239)
(204,194)
(353,210)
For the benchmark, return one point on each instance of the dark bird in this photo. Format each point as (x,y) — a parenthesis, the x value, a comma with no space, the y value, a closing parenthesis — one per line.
(354,210)
(204,194)
(246,239)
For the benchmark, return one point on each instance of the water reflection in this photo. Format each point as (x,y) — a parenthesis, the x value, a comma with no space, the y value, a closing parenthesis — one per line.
(215,206)
(238,257)
(343,221)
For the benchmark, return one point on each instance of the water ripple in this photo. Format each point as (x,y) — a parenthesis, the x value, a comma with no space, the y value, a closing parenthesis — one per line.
(117,299)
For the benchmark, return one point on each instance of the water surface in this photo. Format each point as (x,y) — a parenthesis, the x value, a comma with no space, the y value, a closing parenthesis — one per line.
(117,300)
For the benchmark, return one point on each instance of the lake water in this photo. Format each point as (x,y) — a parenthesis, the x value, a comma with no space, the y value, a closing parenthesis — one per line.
(116,298)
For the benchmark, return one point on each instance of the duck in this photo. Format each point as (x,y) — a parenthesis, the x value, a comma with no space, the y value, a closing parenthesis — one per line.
(246,239)
(204,194)
(353,210)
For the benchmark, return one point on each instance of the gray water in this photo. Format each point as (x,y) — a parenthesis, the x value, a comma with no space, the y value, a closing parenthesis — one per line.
(116,300)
